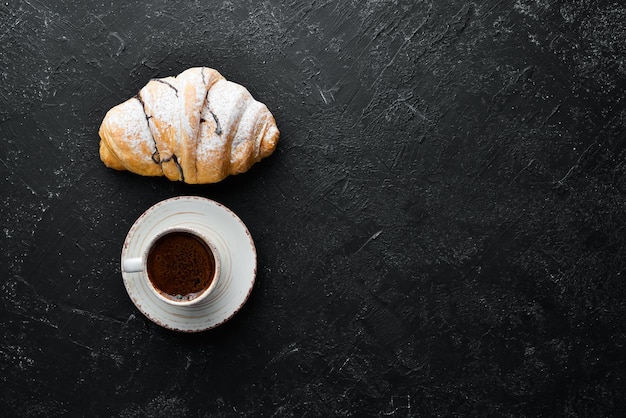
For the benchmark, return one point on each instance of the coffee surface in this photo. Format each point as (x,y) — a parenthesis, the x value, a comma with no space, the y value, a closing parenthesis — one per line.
(180,266)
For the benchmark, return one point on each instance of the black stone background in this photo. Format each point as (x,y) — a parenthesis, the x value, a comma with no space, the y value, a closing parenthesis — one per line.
(440,231)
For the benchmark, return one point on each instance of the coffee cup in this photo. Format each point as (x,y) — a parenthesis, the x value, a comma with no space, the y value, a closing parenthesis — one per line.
(180,265)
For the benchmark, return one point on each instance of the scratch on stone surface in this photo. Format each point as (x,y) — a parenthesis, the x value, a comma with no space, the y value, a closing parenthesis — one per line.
(396,408)
(561,182)
(413,109)
(116,358)
(48,13)
(346,182)
(373,237)
(41,320)
(85,346)
(348,358)
(122,45)
(32,191)
(16,21)
(291,349)
(483,15)
(526,167)
(407,41)
(91,315)
(323,95)
(554,111)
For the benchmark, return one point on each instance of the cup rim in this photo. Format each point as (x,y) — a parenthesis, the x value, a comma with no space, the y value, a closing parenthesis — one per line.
(212,249)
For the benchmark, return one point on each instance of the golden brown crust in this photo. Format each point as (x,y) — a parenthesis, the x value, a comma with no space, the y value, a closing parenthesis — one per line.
(196,127)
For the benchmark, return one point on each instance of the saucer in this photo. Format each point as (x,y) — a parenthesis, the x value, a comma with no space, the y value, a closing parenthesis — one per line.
(236,250)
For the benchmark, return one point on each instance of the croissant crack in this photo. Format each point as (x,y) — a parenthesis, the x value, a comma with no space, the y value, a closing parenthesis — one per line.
(168,129)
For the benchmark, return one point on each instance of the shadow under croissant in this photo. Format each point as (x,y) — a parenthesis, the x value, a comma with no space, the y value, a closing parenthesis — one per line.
(233,185)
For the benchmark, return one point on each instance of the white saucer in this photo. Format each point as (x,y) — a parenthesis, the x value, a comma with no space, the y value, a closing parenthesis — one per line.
(236,250)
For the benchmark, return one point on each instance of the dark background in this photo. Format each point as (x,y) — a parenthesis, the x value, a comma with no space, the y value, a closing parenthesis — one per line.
(440,232)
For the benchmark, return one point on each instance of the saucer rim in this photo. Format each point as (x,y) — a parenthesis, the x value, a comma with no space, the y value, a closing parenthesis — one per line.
(136,298)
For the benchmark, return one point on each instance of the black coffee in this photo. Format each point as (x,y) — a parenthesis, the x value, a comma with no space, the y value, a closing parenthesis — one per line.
(180,266)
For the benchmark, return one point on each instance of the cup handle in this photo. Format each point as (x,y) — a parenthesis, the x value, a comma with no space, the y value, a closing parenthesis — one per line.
(132,265)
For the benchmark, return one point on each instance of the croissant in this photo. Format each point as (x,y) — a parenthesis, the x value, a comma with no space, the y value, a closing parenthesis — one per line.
(196,127)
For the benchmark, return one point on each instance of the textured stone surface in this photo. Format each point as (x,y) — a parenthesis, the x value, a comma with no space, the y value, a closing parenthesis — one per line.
(440,231)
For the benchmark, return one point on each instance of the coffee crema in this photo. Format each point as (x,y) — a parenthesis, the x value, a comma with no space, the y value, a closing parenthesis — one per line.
(180,266)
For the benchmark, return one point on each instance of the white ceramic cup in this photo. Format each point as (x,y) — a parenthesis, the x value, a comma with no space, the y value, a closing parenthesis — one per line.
(140,265)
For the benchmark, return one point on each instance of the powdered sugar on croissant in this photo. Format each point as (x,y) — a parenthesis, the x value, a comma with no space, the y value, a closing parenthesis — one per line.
(196,127)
